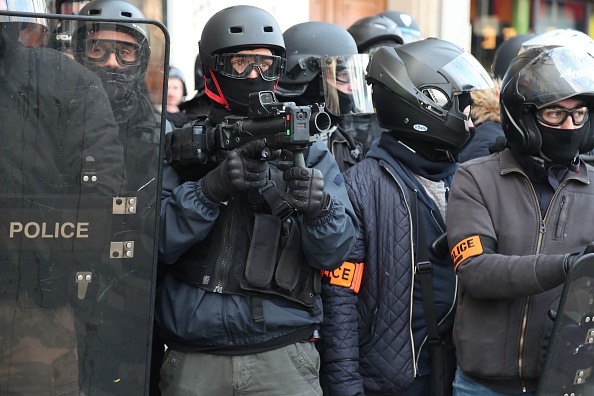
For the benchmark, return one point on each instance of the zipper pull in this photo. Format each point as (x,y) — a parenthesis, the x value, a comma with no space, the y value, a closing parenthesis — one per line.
(543,227)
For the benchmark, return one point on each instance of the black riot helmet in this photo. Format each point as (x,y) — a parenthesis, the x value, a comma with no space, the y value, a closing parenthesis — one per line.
(321,57)
(373,31)
(506,52)
(420,90)
(537,78)
(408,25)
(116,9)
(240,27)
(228,32)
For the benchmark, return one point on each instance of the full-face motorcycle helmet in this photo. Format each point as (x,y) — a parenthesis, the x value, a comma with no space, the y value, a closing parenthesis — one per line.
(536,79)
(420,91)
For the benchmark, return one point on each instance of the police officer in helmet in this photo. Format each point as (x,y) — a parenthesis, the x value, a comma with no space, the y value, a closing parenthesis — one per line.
(324,67)
(240,300)
(421,92)
(119,53)
(526,211)
(370,33)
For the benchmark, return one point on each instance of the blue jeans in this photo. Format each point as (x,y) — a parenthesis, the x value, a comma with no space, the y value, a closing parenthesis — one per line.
(466,386)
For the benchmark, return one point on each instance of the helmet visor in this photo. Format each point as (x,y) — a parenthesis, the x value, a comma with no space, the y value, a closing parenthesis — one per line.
(32,6)
(465,73)
(345,88)
(554,75)
(240,66)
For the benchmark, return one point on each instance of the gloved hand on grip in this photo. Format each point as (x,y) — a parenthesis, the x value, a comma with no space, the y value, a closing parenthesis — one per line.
(240,171)
(570,259)
(306,192)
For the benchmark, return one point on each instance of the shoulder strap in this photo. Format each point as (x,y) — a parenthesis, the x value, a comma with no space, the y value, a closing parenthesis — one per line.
(424,271)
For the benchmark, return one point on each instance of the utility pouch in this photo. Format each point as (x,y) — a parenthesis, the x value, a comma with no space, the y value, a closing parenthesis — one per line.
(287,271)
(261,259)
(276,265)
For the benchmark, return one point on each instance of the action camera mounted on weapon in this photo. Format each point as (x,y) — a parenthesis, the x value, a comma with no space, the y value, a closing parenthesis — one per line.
(283,125)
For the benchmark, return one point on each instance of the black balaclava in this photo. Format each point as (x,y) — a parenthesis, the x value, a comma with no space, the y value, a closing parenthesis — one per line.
(122,87)
(237,91)
(561,146)
(119,84)
(345,101)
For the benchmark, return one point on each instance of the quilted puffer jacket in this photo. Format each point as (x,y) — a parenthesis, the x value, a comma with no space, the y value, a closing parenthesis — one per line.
(375,340)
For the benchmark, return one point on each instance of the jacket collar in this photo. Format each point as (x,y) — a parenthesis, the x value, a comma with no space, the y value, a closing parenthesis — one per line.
(509,164)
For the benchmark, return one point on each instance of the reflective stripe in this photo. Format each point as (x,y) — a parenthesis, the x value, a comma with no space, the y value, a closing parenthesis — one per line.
(347,275)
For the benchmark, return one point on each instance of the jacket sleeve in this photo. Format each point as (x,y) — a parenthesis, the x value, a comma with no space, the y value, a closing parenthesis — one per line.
(339,344)
(495,275)
(186,217)
(328,241)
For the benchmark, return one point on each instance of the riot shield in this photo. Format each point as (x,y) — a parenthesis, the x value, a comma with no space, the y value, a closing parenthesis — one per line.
(79,199)
(569,363)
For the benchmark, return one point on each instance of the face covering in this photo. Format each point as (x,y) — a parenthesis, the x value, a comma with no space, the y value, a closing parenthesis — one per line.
(237,91)
(345,101)
(561,145)
(119,84)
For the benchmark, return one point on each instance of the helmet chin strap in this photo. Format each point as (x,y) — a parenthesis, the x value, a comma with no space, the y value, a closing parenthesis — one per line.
(218,98)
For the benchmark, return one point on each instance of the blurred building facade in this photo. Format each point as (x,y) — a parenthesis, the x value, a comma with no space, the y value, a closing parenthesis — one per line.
(476,25)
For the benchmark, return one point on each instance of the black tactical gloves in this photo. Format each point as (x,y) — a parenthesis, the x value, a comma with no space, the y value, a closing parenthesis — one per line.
(238,172)
(570,259)
(306,192)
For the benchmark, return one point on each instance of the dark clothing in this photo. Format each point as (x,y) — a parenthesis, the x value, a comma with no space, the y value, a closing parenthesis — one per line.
(369,343)
(486,134)
(53,124)
(505,296)
(178,119)
(362,127)
(198,106)
(199,231)
(346,150)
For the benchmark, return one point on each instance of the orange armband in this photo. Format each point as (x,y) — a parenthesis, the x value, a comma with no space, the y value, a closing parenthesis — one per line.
(466,248)
(347,275)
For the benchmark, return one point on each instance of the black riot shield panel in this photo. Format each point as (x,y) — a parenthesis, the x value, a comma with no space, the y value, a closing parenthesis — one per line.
(80,183)
(569,362)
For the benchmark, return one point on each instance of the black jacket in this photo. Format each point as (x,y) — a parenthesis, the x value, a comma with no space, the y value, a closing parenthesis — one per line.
(192,318)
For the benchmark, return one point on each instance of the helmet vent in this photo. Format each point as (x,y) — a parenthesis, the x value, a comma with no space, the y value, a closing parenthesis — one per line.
(126,14)
(236,29)
(268,29)
(94,12)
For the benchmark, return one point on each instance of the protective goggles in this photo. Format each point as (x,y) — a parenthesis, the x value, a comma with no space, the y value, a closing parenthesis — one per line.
(270,67)
(556,116)
(127,54)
